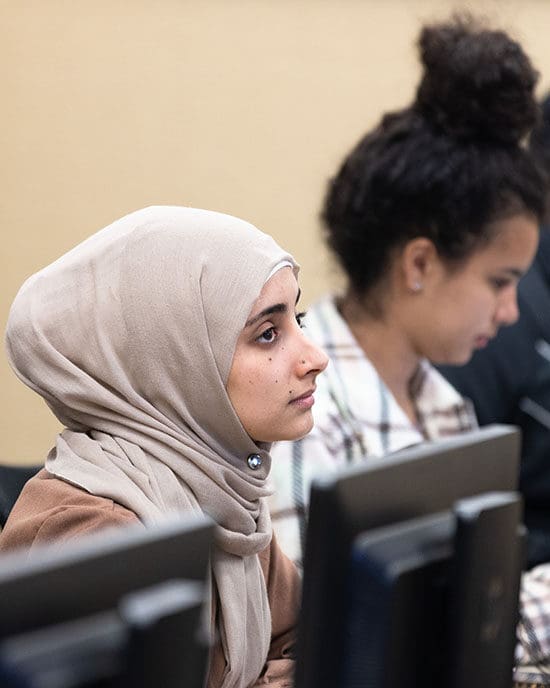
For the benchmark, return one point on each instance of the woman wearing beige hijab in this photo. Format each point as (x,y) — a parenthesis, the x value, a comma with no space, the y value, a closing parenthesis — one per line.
(169,347)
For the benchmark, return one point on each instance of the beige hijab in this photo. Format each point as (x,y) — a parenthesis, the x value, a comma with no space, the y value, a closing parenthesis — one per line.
(129,338)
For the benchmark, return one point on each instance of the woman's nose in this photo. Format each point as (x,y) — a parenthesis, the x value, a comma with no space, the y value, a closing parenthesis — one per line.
(508,312)
(313,359)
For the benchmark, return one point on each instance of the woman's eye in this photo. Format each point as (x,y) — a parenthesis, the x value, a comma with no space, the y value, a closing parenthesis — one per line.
(267,336)
(300,319)
(500,282)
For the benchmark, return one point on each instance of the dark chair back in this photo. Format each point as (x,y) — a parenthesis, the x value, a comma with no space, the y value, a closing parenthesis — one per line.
(12,479)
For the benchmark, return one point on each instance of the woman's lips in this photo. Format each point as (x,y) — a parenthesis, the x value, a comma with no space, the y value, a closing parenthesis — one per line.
(305,401)
(482,341)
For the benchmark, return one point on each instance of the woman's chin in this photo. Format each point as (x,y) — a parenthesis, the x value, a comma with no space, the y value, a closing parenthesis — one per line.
(297,433)
(453,358)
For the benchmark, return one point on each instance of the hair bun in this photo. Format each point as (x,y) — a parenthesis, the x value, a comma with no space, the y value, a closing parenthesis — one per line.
(477,83)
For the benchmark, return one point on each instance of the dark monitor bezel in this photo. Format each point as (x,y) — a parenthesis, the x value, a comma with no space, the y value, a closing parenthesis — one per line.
(418,481)
(54,584)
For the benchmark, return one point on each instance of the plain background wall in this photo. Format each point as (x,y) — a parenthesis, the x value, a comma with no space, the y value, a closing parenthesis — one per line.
(242,106)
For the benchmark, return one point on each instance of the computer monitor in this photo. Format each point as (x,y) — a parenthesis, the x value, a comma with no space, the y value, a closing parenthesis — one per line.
(432,601)
(426,480)
(120,607)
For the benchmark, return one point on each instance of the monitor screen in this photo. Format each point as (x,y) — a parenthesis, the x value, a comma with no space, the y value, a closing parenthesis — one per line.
(118,607)
(424,480)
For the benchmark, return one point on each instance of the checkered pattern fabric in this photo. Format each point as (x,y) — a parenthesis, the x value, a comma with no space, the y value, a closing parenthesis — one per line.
(533,632)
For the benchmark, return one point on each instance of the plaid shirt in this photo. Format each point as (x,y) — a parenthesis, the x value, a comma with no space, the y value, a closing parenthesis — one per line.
(352,425)
(533,631)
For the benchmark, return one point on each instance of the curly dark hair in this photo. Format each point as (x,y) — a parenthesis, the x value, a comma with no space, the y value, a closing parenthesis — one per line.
(446,167)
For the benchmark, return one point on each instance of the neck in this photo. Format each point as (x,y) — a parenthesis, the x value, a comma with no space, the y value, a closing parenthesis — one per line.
(386,346)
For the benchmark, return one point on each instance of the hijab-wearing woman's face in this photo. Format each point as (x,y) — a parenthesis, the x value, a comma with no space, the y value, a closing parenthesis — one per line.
(272,377)
(463,309)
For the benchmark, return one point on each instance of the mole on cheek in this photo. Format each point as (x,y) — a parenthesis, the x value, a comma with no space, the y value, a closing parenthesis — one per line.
(290,391)
(270,358)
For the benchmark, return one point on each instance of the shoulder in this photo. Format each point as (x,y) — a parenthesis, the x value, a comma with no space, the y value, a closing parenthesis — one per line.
(51,510)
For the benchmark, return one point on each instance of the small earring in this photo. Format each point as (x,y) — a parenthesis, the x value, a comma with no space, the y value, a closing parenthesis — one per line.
(417,286)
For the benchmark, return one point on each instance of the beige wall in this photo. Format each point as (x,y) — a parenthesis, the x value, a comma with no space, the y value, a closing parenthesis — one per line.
(243,106)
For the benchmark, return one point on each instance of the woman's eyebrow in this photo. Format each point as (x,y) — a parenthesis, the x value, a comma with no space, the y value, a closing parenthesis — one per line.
(277,308)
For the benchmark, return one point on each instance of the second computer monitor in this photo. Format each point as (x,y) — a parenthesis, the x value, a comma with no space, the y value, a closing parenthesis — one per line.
(418,482)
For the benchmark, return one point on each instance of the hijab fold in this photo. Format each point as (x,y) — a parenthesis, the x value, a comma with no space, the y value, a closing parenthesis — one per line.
(129,338)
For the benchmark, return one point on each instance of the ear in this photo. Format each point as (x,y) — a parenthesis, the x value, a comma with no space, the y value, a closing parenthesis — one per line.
(419,257)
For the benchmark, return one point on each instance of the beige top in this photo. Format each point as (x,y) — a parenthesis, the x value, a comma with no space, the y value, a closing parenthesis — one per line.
(51,511)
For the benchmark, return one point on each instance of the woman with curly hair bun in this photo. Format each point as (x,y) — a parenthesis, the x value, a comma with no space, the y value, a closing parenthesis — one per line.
(433,217)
